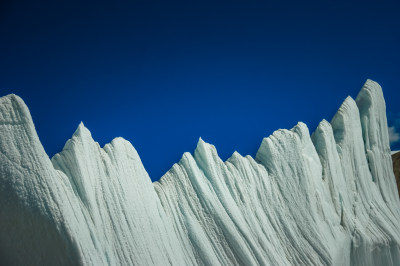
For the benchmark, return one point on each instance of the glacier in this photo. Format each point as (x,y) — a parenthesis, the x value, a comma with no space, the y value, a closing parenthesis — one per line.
(326,198)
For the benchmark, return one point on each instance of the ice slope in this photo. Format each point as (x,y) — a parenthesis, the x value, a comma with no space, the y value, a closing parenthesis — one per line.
(325,199)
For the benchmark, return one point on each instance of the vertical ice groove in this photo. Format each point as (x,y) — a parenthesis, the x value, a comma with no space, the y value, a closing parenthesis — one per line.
(205,217)
(207,158)
(334,183)
(291,159)
(371,103)
(372,222)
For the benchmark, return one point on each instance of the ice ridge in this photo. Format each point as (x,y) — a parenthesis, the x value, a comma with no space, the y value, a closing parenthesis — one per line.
(328,198)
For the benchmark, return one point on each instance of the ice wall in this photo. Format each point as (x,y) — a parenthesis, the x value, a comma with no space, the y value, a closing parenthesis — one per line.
(325,199)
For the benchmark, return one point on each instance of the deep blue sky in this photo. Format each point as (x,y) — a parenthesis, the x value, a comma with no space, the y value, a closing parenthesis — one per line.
(162,74)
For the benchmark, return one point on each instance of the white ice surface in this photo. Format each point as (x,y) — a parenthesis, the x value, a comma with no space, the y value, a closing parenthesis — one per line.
(325,199)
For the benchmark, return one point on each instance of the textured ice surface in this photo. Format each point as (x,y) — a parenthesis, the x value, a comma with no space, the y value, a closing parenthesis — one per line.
(325,199)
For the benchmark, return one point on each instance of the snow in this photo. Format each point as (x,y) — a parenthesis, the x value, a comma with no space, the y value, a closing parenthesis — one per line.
(325,199)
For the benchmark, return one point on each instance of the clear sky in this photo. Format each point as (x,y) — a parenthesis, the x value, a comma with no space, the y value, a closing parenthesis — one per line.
(162,74)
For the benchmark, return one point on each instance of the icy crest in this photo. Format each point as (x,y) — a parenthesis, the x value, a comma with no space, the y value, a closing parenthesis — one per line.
(325,199)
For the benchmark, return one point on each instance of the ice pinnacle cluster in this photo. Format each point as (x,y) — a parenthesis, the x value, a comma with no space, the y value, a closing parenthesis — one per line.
(328,198)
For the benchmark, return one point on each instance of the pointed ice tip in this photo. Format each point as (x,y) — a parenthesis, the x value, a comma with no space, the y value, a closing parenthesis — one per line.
(81,130)
(301,124)
(373,86)
(348,99)
(369,82)
(322,128)
(325,124)
(81,127)
(301,129)
(347,105)
(201,144)
(370,95)
(372,89)
(203,148)
(234,157)
(235,153)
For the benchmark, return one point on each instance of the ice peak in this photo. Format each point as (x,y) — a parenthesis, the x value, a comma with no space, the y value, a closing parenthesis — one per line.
(372,88)
(12,97)
(370,82)
(203,147)
(236,154)
(82,131)
(200,141)
(323,123)
(370,94)
(235,157)
(372,107)
(323,126)
(13,110)
(348,100)
(301,129)
(321,135)
(347,107)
